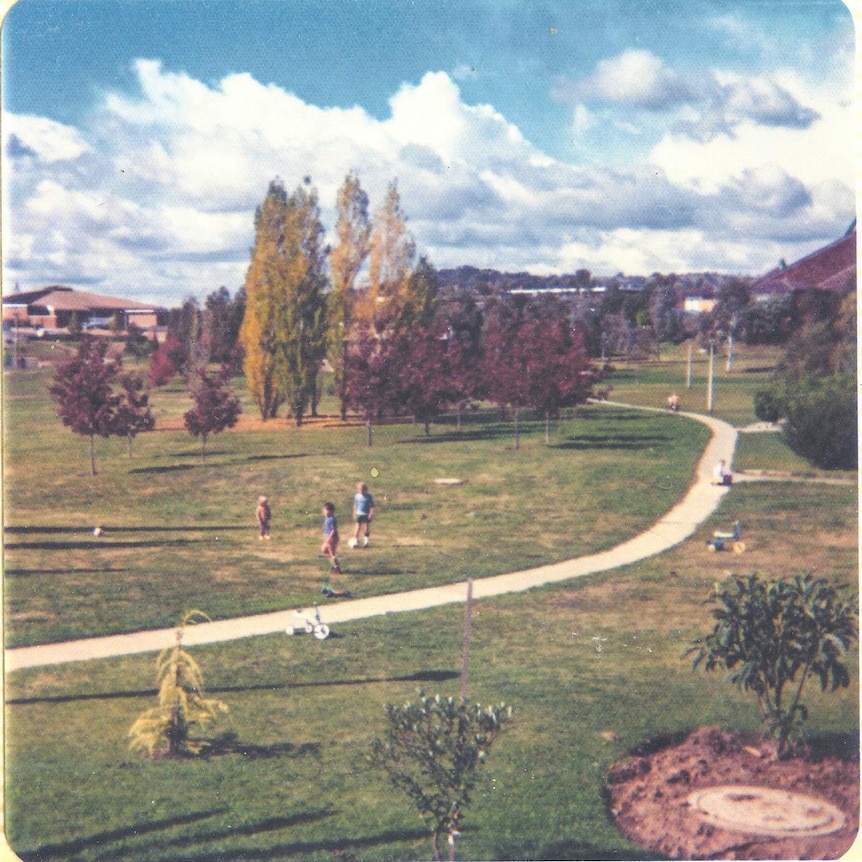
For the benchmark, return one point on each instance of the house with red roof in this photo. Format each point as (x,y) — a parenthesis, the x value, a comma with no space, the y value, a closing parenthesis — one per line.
(56,306)
(830,268)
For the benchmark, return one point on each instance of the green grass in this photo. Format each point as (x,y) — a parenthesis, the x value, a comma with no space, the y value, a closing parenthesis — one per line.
(575,660)
(291,781)
(180,533)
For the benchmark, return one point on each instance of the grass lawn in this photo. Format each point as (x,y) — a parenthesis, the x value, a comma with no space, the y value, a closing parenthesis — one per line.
(592,667)
(598,656)
(179,533)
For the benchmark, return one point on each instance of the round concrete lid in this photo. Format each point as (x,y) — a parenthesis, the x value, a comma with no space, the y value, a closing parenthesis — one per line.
(764,811)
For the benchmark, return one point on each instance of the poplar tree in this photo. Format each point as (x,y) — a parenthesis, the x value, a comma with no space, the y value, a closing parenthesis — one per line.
(264,285)
(390,261)
(284,326)
(301,322)
(353,231)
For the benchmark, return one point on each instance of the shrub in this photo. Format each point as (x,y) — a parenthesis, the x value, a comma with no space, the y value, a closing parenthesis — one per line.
(822,421)
(771,637)
(431,751)
(167,730)
(767,405)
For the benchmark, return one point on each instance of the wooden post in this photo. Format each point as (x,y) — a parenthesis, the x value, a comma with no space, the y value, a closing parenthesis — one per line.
(710,390)
(465,654)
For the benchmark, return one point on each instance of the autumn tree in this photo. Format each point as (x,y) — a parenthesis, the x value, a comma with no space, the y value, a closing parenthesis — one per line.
(429,366)
(557,370)
(83,389)
(390,260)
(302,312)
(371,376)
(283,332)
(216,407)
(353,231)
(258,333)
(133,415)
(166,361)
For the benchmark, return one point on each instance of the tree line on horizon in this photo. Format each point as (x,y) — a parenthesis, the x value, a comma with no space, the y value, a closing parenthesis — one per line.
(375,314)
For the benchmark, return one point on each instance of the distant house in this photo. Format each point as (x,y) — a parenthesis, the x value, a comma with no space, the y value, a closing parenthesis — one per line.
(832,267)
(54,308)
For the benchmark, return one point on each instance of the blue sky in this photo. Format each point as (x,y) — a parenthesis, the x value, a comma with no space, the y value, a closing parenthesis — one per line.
(139,136)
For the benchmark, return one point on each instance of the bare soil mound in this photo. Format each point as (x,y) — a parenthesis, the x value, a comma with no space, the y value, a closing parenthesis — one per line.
(652,796)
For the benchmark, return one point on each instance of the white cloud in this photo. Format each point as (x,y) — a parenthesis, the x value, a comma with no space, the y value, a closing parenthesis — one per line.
(156,197)
(42,139)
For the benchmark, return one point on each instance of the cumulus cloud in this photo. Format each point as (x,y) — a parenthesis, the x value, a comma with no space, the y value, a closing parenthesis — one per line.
(155,197)
(705,106)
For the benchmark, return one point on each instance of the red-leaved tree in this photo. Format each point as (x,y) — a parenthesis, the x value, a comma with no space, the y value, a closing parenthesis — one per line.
(431,373)
(216,407)
(558,371)
(133,414)
(371,377)
(82,388)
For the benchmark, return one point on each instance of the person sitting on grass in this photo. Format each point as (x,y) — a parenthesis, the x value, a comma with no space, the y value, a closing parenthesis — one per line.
(721,475)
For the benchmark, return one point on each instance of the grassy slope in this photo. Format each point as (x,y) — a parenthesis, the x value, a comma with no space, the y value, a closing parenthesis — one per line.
(576,660)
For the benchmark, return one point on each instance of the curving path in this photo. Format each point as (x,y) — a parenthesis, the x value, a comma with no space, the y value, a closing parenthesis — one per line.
(678,524)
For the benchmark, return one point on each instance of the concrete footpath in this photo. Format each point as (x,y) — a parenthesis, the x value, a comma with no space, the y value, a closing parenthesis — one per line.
(678,524)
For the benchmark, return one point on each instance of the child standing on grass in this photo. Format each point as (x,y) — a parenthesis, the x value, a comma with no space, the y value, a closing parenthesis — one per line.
(329,548)
(363,512)
(264,516)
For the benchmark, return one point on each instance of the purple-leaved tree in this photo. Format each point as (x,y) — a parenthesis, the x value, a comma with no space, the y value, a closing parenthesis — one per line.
(216,407)
(82,388)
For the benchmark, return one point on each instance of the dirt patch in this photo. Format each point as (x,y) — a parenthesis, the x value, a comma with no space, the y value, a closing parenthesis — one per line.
(651,793)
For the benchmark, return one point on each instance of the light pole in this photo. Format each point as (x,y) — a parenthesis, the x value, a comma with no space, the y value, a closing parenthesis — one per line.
(710,390)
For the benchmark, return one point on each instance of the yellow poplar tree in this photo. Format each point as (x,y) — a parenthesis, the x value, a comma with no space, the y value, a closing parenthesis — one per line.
(390,260)
(353,230)
(263,287)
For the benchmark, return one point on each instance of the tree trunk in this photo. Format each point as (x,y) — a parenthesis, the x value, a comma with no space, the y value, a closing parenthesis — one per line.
(92,454)
(548,427)
(517,428)
(368,431)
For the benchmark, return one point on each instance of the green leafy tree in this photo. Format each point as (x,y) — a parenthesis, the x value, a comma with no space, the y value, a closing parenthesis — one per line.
(171,729)
(284,330)
(773,636)
(821,421)
(301,318)
(431,751)
(263,284)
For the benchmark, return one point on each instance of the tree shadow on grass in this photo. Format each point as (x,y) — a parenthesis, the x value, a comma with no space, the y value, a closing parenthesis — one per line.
(574,851)
(67,849)
(631,442)
(337,847)
(28,531)
(276,457)
(26,573)
(230,743)
(173,468)
(419,676)
(92,545)
(474,435)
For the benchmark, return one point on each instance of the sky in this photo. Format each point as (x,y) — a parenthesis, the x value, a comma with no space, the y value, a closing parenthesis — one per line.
(619,136)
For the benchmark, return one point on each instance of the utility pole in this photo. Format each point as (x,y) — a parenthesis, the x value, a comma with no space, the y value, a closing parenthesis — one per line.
(688,368)
(710,392)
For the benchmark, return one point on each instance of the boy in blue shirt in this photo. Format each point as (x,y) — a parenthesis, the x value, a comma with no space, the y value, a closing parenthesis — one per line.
(363,512)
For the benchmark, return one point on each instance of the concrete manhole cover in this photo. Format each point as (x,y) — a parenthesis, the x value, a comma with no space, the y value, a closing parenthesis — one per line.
(763,811)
